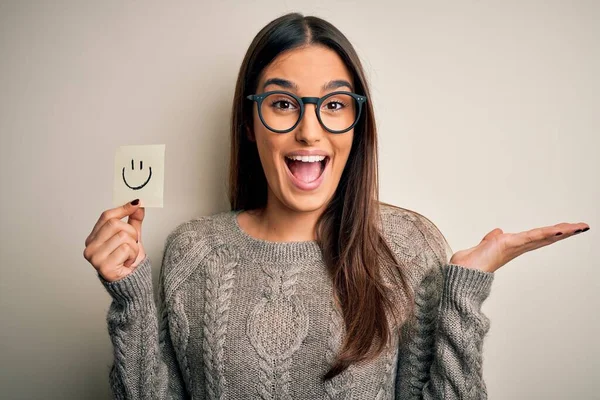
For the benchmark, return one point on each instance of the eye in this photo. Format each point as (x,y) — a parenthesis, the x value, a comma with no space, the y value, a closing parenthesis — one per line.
(282,103)
(334,105)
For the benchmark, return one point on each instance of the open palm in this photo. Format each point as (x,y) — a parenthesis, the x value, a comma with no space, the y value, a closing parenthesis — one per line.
(498,248)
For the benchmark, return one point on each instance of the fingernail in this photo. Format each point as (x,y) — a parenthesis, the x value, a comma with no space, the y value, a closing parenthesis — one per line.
(577,231)
(137,241)
(558,234)
(586,229)
(135,202)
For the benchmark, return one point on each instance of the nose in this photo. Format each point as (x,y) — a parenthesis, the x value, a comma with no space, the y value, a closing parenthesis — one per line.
(309,130)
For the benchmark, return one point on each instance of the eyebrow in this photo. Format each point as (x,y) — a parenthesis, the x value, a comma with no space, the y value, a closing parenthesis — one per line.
(334,84)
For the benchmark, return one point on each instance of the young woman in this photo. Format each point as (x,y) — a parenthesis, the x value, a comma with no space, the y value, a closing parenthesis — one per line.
(309,288)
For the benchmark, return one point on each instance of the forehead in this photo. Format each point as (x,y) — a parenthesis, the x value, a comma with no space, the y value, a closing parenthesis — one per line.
(308,67)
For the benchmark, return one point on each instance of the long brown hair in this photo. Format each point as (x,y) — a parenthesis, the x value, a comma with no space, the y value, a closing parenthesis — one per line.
(353,247)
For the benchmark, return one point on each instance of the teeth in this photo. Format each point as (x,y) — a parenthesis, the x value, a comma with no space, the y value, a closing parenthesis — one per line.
(307,158)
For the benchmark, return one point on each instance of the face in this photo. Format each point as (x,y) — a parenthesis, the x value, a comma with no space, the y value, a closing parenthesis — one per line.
(295,183)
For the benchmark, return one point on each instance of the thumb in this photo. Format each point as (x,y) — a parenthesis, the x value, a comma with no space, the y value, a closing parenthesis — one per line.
(492,234)
(136,220)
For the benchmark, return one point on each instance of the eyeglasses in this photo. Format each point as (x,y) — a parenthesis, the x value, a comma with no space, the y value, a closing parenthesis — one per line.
(281,111)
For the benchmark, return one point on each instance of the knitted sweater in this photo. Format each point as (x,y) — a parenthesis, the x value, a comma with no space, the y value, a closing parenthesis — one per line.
(244,318)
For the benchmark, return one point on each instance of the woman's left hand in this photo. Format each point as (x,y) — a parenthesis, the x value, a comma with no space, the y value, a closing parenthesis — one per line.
(498,248)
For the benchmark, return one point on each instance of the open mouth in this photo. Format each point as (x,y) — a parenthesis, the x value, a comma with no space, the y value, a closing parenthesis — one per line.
(306,169)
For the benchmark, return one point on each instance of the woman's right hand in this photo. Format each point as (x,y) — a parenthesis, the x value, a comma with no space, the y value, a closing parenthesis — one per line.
(114,247)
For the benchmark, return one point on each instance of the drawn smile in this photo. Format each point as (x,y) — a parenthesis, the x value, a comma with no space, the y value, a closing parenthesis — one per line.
(143,184)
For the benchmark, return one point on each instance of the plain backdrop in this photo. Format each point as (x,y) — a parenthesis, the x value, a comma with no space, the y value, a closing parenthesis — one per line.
(488,115)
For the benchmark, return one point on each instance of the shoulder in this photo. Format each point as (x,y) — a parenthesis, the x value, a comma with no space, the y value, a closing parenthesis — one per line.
(193,240)
(197,227)
(412,235)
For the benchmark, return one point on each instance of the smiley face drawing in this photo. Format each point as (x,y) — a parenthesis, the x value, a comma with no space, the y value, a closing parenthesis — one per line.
(141,168)
(139,173)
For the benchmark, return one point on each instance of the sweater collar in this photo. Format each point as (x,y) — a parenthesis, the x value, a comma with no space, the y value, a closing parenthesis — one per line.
(264,250)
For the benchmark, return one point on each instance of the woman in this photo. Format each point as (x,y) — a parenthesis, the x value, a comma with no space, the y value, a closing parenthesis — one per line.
(309,287)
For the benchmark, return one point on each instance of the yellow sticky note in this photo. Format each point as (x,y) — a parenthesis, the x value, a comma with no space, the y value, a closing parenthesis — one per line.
(139,174)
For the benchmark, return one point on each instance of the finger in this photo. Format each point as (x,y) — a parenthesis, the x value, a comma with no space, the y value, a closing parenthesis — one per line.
(130,261)
(569,230)
(539,237)
(113,213)
(135,220)
(101,254)
(118,257)
(532,239)
(108,230)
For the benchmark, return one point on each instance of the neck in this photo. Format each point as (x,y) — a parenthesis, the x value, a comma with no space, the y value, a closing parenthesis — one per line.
(278,223)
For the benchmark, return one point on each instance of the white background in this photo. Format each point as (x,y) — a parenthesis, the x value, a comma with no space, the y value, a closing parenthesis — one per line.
(488,115)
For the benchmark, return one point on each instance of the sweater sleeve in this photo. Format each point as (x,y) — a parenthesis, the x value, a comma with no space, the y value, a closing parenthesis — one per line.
(441,353)
(457,368)
(145,365)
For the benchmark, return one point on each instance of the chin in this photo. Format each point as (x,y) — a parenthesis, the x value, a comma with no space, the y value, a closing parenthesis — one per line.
(309,204)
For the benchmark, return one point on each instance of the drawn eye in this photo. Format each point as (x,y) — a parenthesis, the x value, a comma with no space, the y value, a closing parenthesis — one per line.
(138,187)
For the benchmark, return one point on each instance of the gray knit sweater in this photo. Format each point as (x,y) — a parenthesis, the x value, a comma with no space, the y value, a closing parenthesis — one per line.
(243,318)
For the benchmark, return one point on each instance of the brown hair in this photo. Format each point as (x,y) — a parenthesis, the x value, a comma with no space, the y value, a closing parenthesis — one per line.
(354,249)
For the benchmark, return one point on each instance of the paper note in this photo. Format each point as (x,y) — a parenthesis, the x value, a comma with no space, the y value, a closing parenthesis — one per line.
(139,174)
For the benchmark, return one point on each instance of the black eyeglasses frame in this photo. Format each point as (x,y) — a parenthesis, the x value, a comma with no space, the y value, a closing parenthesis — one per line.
(318,101)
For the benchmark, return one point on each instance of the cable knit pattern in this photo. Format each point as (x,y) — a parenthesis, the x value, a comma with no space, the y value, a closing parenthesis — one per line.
(181,334)
(421,348)
(276,327)
(473,364)
(244,318)
(220,279)
(386,388)
(340,387)
(118,374)
(148,352)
